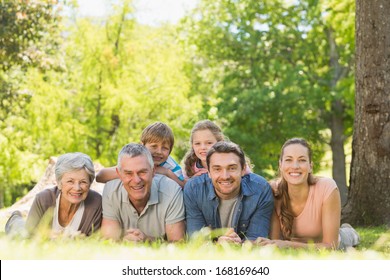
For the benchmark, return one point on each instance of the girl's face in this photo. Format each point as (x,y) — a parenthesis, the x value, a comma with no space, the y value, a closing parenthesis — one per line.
(202,141)
(295,164)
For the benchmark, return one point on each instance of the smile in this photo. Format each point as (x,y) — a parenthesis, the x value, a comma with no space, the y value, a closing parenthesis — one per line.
(136,188)
(225,183)
(157,158)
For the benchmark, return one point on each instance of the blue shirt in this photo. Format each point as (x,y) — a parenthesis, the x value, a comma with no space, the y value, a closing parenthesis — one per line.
(252,214)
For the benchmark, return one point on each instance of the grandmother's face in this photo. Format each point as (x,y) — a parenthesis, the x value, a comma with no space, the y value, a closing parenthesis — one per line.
(75,186)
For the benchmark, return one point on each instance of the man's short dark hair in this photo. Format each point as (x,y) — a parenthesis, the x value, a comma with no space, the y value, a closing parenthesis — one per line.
(226,147)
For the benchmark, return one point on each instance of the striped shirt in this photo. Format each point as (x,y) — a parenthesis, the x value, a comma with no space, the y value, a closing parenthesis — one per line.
(171,164)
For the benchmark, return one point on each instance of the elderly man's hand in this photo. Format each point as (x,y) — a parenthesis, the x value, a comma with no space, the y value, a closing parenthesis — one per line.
(134,235)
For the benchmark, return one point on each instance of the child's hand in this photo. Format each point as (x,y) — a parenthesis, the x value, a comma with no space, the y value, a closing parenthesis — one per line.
(200,172)
(274,186)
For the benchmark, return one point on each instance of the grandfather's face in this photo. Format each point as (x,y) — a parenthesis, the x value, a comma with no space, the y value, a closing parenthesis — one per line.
(75,186)
(225,172)
(137,177)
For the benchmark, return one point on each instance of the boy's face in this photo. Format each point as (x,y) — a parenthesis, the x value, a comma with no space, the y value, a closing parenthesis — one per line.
(159,150)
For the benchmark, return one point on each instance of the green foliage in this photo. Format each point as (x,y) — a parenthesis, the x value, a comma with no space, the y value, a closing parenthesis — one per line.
(29,39)
(261,69)
(124,77)
(28,34)
(271,76)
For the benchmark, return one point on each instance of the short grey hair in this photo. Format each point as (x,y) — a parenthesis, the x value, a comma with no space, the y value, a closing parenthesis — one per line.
(73,162)
(133,150)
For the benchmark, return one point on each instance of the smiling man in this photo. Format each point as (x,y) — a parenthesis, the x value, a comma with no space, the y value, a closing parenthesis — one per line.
(141,205)
(227,198)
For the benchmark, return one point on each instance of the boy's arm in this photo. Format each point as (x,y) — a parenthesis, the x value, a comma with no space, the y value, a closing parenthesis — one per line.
(167,172)
(107,174)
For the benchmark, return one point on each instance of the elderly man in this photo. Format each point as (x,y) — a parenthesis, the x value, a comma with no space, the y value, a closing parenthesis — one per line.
(227,198)
(141,206)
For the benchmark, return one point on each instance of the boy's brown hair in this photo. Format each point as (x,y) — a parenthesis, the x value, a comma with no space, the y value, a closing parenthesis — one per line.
(158,132)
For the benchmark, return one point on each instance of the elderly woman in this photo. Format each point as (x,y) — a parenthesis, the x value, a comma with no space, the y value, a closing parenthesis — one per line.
(74,208)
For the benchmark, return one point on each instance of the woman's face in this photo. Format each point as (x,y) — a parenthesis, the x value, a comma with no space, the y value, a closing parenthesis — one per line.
(75,186)
(202,141)
(295,164)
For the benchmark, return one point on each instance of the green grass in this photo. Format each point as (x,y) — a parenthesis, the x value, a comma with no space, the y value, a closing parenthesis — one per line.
(375,245)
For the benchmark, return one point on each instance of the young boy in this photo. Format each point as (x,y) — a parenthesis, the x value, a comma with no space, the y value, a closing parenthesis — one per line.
(158,139)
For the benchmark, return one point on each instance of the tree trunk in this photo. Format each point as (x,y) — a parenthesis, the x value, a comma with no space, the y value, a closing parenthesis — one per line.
(369,194)
(336,120)
(338,153)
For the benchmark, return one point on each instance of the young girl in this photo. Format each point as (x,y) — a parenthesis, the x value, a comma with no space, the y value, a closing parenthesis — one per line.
(204,135)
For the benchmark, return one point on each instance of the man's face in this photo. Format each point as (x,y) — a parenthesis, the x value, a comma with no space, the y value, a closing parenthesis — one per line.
(137,177)
(225,172)
(159,150)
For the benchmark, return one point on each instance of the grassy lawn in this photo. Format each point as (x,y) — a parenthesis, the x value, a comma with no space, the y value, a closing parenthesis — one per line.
(375,245)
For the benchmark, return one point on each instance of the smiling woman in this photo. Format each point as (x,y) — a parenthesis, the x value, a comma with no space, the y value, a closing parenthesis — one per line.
(307,208)
(74,208)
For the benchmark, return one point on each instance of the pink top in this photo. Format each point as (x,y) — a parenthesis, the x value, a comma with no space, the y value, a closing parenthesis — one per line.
(308,225)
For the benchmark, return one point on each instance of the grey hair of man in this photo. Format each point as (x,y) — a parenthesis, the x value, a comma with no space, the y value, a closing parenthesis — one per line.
(132,150)
(71,162)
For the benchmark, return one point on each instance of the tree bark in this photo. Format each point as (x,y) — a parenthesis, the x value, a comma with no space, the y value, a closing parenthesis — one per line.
(336,122)
(369,194)
(338,152)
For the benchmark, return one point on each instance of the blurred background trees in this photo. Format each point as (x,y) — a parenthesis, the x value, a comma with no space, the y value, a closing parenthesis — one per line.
(281,69)
(263,70)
